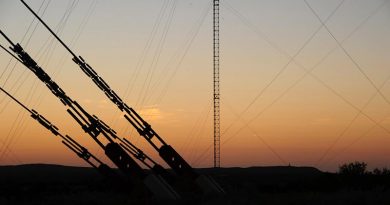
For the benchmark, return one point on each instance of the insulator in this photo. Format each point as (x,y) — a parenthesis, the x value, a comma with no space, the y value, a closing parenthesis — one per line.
(104,84)
(34,114)
(92,70)
(108,95)
(97,83)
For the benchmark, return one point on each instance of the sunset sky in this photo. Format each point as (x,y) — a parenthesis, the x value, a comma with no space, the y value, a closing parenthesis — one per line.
(157,55)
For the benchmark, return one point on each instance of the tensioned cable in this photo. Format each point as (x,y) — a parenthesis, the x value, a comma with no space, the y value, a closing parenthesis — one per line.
(153,66)
(361,71)
(6,147)
(14,131)
(159,50)
(259,137)
(84,22)
(291,58)
(269,147)
(61,62)
(154,62)
(345,148)
(23,75)
(18,121)
(186,47)
(16,158)
(9,52)
(350,123)
(24,36)
(337,94)
(141,62)
(328,54)
(51,48)
(348,54)
(60,27)
(145,51)
(180,55)
(11,137)
(198,133)
(184,51)
(77,35)
(194,31)
(334,92)
(307,72)
(322,82)
(281,71)
(48,44)
(75,38)
(196,128)
(46,52)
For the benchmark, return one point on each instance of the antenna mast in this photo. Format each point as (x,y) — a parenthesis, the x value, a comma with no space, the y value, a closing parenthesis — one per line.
(216,98)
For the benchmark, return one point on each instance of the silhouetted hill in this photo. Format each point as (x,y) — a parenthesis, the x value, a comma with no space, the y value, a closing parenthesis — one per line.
(47,173)
(275,171)
(264,170)
(31,173)
(51,173)
(56,184)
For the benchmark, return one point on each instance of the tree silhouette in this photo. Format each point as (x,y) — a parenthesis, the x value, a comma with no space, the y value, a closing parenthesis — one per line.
(353,169)
(381,172)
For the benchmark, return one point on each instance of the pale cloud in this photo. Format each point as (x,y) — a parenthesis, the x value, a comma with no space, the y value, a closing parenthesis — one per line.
(152,113)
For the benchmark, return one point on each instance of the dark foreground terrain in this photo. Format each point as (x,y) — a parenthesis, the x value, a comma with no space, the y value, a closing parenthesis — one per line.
(53,184)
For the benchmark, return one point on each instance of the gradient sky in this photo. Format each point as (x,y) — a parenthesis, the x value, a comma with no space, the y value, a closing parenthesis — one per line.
(299,119)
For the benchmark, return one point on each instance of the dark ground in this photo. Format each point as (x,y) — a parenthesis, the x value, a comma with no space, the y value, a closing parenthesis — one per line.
(54,184)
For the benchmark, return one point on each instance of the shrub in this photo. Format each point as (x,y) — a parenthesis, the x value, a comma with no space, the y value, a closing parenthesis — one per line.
(381,172)
(353,169)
